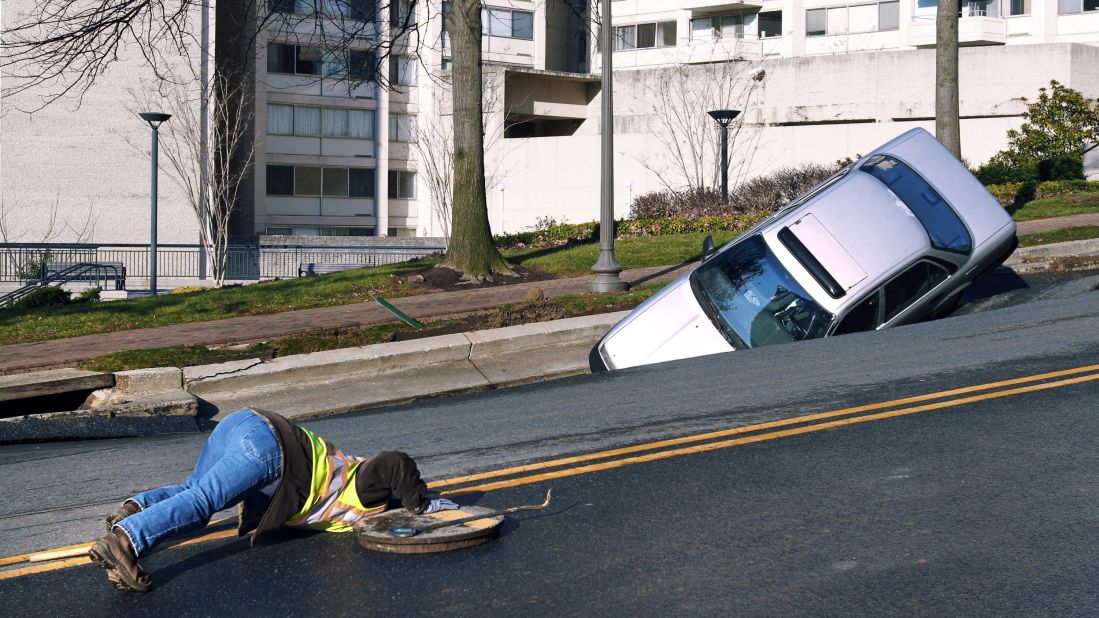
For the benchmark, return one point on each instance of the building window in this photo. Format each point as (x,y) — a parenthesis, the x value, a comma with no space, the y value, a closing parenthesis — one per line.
(361,10)
(702,29)
(402,185)
(1072,7)
(305,181)
(815,22)
(625,37)
(280,6)
(853,19)
(889,16)
(312,121)
(770,24)
(280,119)
(733,26)
(335,181)
(1017,7)
(293,59)
(402,128)
(862,18)
(307,121)
(401,13)
(334,123)
(280,180)
(507,23)
(360,123)
(402,71)
(362,66)
(360,182)
(645,36)
(280,231)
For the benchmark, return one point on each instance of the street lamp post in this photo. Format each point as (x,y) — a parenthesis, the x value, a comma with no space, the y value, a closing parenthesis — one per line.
(155,119)
(607,269)
(724,118)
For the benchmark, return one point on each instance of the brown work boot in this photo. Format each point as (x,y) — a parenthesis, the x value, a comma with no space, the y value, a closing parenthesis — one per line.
(128,508)
(116,555)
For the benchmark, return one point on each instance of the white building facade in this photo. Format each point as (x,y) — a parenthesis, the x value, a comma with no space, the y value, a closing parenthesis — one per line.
(340,152)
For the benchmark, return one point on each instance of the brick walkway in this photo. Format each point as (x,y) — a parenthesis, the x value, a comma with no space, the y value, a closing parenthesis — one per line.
(1057,223)
(69,352)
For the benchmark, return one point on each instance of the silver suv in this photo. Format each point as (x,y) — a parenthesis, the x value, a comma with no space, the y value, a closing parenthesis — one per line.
(894,238)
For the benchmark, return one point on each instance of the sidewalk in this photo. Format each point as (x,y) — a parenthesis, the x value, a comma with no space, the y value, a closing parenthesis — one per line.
(1057,223)
(69,352)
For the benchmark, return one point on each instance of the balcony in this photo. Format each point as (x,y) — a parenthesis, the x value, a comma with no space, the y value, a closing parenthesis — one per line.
(974,28)
(705,7)
(721,49)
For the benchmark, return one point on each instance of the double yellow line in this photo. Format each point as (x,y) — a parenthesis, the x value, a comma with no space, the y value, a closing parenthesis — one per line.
(701,443)
(689,445)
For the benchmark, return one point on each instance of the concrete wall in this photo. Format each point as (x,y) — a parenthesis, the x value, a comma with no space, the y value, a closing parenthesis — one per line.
(75,154)
(809,109)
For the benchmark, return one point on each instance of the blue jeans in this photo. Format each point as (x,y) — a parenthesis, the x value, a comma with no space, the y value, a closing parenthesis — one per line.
(240,458)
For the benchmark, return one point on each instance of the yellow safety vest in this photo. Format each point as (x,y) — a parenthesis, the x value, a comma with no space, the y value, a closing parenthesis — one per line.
(333,503)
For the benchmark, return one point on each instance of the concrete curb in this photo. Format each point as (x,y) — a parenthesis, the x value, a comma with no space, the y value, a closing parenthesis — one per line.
(335,381)
(1041,257)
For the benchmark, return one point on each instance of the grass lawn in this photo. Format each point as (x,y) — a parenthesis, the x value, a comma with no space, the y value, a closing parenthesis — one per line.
(1058,206)
(548,309)
(29,325)
(1067,234)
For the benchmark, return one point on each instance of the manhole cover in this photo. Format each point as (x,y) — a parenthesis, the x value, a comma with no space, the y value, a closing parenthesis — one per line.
(373,532)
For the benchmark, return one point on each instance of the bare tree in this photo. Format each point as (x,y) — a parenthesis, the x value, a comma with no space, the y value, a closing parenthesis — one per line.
(679,98)
(947,122)
(29,262)
(211,190)
(435,145)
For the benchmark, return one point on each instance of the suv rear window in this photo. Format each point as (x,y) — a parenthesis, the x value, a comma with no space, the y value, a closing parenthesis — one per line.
(943,225)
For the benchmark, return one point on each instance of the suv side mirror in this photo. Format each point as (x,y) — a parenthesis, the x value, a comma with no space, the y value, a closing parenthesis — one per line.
(707,248)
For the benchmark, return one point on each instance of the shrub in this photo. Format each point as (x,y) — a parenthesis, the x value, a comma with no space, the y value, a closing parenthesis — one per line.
(697,202)
(88,295)
(764,193)
(769,192)
(1018,193)
(45,296)
(1000,169)
(563,234)
(1063,167)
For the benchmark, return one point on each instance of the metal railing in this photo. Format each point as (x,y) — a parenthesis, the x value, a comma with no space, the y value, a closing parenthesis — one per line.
(23,262)
(99,274)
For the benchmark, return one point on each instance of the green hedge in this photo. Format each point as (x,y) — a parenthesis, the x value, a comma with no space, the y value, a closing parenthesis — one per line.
(1012,193)
(566,233)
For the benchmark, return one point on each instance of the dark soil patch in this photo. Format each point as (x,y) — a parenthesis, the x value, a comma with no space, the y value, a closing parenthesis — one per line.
(442,279)
(538,311)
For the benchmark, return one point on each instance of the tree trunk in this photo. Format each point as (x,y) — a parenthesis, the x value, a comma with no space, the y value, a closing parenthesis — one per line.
(471,249)
(947,124)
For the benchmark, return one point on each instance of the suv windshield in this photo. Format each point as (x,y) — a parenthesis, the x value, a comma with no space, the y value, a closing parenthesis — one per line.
(754,301)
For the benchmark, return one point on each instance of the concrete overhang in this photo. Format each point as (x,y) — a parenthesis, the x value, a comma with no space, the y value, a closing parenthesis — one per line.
(710,7)
(533,93)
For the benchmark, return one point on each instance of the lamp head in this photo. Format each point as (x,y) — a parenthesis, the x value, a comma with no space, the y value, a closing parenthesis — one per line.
(724,116)
(155,119)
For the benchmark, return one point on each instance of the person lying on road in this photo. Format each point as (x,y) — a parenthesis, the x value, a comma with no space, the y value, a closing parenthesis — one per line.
(280,474)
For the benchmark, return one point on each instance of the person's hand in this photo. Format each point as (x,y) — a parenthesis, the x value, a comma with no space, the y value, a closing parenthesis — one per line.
(441,504)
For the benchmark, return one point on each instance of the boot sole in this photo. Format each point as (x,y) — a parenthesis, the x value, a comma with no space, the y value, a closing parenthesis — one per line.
(119,578)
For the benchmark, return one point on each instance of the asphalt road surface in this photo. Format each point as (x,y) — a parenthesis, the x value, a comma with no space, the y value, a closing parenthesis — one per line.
(946,468)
